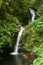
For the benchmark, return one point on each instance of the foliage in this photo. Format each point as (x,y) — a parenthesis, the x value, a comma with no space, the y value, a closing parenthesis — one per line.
(38,61)
(17,8)
(40,10)
(1,3)
(8,28)
(20,8)
(33,35)
(33,39)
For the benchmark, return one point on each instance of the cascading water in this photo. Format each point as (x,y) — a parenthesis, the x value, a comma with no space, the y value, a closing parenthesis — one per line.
(33,14)
(20,34)
(18,40)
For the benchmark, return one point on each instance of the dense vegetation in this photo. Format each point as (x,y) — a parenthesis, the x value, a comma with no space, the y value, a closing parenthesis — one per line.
(9,27)
(33,37)
(13,14)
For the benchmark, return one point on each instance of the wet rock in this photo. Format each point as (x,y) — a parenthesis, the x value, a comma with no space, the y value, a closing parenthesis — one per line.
(30,56)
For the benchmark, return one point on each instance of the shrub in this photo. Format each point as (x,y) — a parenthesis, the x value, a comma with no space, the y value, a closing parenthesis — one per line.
(9,26)
(33,35)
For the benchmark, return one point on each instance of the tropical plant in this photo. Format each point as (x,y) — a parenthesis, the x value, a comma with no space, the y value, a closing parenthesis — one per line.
(38,61)
(9,26)
(33,35)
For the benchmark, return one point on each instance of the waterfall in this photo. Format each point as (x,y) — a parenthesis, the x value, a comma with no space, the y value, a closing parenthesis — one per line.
(18,40)
(33,14)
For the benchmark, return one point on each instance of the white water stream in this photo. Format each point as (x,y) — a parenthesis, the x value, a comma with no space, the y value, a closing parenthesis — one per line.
(18,40)
(33,14)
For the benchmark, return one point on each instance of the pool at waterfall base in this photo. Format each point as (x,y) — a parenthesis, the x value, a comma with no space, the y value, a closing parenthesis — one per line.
(14,60)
